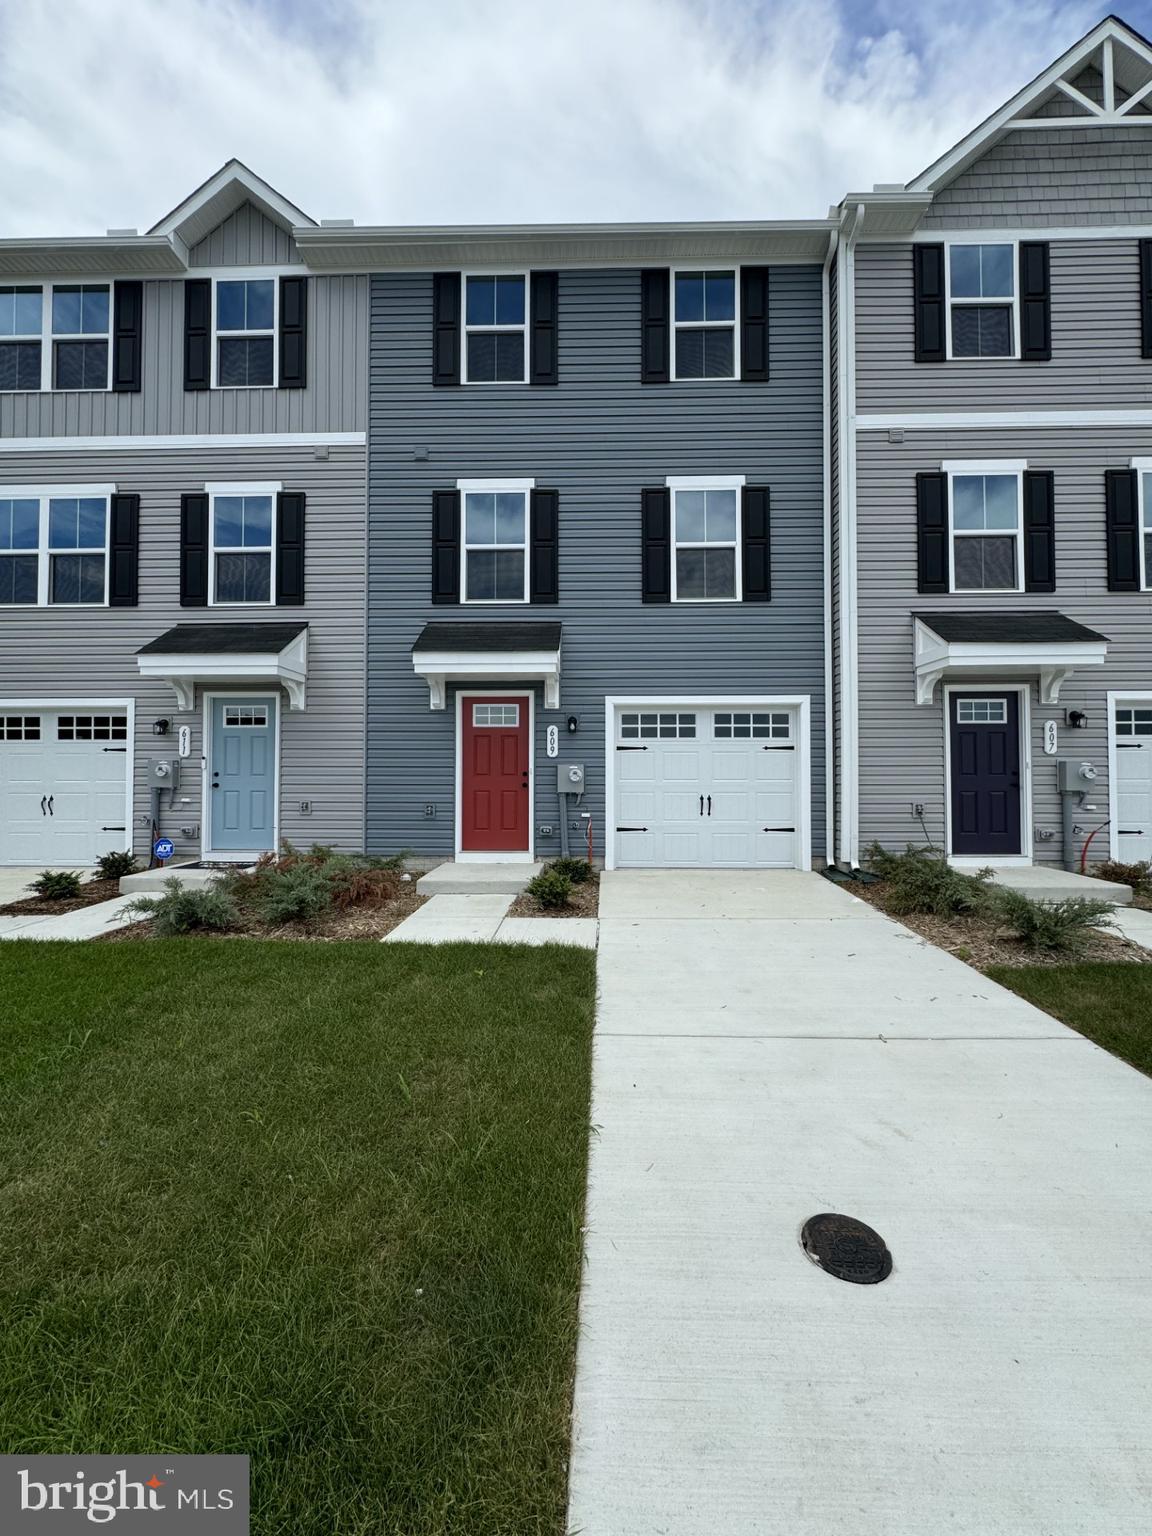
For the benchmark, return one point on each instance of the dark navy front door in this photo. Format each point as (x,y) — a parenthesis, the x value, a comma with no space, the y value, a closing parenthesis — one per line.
(985,789)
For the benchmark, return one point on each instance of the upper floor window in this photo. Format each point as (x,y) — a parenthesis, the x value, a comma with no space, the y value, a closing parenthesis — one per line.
(494,550)
(1145,499)
(54,546)
(704,325)
(986,532)
(242,534)
(705,544)
(55,336)
(244,351)
(495,329)
(982,300)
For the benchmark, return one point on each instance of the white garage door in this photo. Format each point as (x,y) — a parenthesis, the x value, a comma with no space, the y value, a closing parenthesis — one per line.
(62,785)
(1133,808)
(707,788)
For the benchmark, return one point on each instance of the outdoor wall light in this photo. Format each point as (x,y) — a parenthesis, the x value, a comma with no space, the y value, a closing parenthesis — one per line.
(573,723)
(1077,719)
(161,727)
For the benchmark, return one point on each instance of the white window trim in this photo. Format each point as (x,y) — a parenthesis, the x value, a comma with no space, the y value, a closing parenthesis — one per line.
(705,325)
(1008,357)
(489,488)
(1013,469)
(466,330)
(679,483)
(248,275)
(500,856)
(47,339)
(1024,727)
(216,488)
(44,494)
(1144,512)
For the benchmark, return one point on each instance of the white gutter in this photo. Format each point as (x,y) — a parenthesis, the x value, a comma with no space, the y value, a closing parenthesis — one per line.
(848,803)
(830,793)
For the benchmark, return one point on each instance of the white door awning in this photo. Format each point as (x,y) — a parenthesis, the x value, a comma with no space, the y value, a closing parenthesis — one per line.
(239,655)
(488,653)
(996,645)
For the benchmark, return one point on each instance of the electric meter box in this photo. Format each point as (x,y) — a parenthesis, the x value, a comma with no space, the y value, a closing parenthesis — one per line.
(570,778)
(164,772)
(1074,777)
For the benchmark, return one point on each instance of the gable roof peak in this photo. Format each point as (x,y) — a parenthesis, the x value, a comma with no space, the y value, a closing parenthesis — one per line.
(226,190)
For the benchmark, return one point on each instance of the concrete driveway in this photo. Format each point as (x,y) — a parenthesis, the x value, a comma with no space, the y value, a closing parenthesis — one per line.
(768,1047)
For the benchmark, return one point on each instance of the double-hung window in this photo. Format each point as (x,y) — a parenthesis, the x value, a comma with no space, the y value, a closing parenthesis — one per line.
(242,533)
(54,546)
(55,336)
(986,533)
(704,325)
(706,540)
(495,328)
(494,549)
(244,350)
(982,300)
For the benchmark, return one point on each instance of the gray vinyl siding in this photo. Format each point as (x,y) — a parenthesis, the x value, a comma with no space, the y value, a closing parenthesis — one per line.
(598,437)
(245,239)
(1096,359)
(834,460)
(902,744)
(335,399)
(1036,179)
(57,653)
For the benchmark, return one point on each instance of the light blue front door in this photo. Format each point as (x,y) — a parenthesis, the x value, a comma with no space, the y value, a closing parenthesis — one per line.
(242,776)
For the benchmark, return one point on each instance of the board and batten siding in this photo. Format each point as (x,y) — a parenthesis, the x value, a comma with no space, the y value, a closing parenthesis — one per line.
(77,653)
(902,743)
(245,238)
(599,436)
(1034,179)
(1096,359)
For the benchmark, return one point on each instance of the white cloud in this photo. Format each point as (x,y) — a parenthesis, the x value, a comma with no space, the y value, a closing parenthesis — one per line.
(472,111)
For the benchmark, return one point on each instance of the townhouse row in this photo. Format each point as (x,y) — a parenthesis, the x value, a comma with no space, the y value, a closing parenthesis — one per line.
(689,545)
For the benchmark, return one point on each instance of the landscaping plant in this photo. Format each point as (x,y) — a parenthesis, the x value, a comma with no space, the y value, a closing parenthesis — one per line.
(292,893)
(188,908)
(575,870)
(1050,925)
(115,865)
(922,880)
(56,885)
(1138,876)
(550,889)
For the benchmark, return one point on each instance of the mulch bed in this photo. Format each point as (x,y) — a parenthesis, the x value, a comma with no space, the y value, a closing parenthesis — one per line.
(92,892)
(981,944)
(584,902)
(362,923)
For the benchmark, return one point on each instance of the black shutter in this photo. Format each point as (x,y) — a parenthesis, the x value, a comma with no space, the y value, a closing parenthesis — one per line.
(544,576)
(756,531)
(293,332)
(544,364)
(446,330)
(1146,298)
(127,336)
(656,533)
(445,546)
(194,551)
(928,289)
(197,333)
(655,325)
(932,532)
(1035,303)
(1122,511)
(754,323)
(123,552)
(1039,531)
(290,548)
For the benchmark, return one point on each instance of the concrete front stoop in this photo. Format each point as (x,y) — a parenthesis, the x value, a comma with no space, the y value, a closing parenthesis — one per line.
(1046,882)
(151,880)
(493,879)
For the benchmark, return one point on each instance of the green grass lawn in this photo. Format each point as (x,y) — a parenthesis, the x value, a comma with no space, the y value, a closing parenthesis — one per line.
(1111,1004)
(316,1203)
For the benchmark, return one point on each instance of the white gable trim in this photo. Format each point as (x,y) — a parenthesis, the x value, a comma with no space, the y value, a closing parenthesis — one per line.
(210,204)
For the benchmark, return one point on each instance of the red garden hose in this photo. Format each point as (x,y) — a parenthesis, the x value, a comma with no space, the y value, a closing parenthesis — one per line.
(1088,844)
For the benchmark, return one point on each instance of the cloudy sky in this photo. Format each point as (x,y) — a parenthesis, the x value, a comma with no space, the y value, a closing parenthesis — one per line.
(458,111)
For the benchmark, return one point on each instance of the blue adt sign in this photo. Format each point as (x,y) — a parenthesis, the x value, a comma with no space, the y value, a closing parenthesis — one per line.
(163,848)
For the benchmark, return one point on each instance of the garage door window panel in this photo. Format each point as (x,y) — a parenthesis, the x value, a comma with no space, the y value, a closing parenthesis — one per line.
(753,725)
(92,728)
(657,726)
(706,536)
(19,727)
(1134,722)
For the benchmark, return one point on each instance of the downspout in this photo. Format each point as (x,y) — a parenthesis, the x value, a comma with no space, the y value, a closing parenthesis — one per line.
(830,793)
(848,847)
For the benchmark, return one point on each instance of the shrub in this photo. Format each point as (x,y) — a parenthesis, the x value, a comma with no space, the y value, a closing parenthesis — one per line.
(115,865)
(356,884)
(575,870)
(1050,925)
(922,880)
(292,893)
(56,885)
(550,890)
(1138,876)
(188,908)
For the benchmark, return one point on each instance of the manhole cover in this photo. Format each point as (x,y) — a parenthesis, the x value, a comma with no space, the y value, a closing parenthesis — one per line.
(846,1248)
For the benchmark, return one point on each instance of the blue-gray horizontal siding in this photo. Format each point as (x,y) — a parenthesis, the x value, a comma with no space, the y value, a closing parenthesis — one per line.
(598,437)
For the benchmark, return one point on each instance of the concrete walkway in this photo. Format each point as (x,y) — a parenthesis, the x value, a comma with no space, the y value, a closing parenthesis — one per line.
(1135,924)
(483,919)
(84,923)
(768,1047)
(16,878)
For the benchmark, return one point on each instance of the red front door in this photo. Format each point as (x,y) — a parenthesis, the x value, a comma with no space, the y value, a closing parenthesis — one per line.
(495,789)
